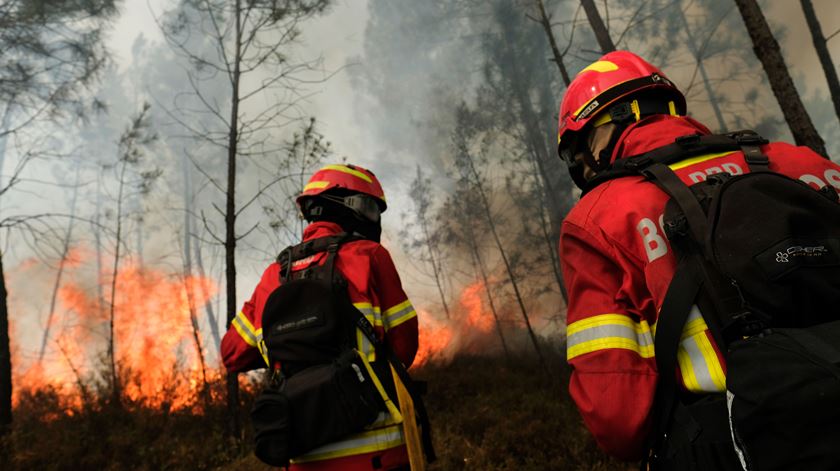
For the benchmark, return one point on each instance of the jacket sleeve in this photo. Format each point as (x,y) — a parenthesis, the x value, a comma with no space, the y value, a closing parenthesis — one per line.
(398,315)
(609,343)
(242,344)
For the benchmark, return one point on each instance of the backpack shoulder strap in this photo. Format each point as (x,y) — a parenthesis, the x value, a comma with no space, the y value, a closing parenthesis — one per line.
(676,307)
(382,347)
(683,147)
(329,244)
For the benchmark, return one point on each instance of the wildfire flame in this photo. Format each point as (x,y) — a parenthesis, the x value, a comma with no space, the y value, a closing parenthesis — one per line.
(467,329)
(154,346)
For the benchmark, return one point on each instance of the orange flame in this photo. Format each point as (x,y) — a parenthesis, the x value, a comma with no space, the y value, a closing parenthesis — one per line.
(467,329)
(153,339)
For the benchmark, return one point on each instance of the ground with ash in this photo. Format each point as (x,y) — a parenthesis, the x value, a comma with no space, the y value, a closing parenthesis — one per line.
(488,413)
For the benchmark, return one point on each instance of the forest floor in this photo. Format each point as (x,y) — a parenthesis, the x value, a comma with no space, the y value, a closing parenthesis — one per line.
(488,413)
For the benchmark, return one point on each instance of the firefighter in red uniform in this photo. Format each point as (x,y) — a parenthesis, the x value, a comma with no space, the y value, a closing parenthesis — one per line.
(331,204)
(616,259)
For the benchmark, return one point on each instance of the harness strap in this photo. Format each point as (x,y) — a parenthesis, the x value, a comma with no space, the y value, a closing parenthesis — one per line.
(329,244)
(684,147)
(681,295)
(382,347)
(750,142)
(670,183)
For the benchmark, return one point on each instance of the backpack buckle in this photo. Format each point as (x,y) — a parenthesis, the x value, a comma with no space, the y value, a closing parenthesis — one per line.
(676,228)
(637,163)
(749,139)
(688,141)
(622,113)
(829,192)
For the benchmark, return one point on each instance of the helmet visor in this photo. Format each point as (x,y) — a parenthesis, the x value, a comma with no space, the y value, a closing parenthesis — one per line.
(568,148)
(363,205)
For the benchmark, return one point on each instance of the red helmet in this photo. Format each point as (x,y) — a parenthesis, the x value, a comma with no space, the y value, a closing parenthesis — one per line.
(352,179)
(613,77)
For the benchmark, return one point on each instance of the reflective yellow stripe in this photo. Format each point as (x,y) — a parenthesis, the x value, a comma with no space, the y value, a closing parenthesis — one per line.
(346,169)
(715,368)
(687,369)
(262,348)
(697,160)
(374,316)
(699,365)
(389,404)
(365,442)
(644,351)
(608,331)
(398,314)
(603,319)
(371,312)
(672,108)
(316,185)
(693,327)
(245,329)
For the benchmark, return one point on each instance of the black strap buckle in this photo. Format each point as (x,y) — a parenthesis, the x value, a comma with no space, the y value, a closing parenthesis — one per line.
(749,139)
(638,163)
(622,113)
(688,141)
(753,156)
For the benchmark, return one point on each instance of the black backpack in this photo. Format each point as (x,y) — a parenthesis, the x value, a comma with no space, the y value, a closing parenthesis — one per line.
(759,254)
(324,389)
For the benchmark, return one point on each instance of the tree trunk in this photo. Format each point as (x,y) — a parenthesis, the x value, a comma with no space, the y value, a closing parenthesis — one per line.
(479,265)
(697,53)
(97,238)
(234,426)
(191,246)
(61,264)
(436,268)
(558,57)
(116,393)
(508,268)
(4,126)
(188,285)
(543,159)
(598,27)
(821,46)
(208,304)
(769,53)
(5,361)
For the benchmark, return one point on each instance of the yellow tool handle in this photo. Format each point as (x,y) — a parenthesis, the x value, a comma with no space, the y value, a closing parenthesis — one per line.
(410,429)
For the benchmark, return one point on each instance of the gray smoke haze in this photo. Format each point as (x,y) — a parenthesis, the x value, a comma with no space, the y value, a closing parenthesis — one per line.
(385,92)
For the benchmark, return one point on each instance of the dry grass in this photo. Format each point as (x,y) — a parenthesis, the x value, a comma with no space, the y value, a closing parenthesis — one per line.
(487,414)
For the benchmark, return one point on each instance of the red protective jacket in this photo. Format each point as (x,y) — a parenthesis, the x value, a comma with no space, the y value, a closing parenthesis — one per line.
(617,265)
(374,288)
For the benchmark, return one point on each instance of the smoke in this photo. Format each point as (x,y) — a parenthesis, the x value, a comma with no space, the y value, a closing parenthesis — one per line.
(391,76)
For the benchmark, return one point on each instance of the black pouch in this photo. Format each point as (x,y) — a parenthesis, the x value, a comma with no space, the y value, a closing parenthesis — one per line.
(784,398)
(697,438)
(316,406)
(270,418)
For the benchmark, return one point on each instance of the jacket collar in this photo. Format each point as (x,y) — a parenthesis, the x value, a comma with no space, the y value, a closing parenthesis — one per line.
(319,229)
(654,132)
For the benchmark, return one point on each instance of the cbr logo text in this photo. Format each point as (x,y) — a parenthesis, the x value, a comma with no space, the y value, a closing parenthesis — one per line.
(799,251)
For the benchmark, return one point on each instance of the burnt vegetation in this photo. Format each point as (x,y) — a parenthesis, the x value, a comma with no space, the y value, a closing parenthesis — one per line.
(125,226)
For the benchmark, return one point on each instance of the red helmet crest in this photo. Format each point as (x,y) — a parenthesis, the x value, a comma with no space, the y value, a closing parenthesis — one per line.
(612,77)
(346,176)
